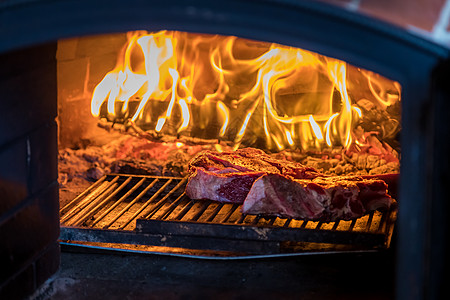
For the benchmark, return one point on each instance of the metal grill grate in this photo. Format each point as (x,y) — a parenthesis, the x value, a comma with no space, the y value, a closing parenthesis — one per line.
(154,210)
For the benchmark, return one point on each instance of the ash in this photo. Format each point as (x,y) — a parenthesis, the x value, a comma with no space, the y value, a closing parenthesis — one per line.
(79,168)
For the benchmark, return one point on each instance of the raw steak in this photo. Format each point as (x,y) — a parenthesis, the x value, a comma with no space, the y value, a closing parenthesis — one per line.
(228,176)
(322,198)
(269,186)
(225,185)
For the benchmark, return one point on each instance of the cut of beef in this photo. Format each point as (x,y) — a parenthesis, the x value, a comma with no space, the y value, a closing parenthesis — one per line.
(225,185)
(322,198)
(390,179)
(276,195)
(228,176)
(274,187)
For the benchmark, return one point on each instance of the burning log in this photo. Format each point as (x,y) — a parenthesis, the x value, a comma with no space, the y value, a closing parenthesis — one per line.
(153,136)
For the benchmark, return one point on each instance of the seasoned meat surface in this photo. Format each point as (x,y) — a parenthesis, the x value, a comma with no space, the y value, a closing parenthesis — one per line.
(250,159)
(274,187)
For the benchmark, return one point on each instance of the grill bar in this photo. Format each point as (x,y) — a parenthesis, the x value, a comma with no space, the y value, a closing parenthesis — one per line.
(112,191)
(144,206)
(134,188)
(242,232)
(92,199)
(138,197)
(171,207)
(369,221)
(230,212)
(154,210)
(215,212)
(86,200)
(286,224)
(161,202)
(241,219)
(83,194)
(200,211)
(185,210)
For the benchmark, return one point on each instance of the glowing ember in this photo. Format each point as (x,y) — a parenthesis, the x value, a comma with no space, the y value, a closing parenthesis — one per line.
(238,90)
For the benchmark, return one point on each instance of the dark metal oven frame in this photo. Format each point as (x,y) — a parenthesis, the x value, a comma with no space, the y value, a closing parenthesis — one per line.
(417,64)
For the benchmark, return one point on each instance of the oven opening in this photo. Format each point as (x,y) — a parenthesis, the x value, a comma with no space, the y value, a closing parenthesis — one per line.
(217,145)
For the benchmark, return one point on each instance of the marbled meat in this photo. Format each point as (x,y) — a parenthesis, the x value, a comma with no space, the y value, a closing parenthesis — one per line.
(322,198)
(274,187)
(228,176)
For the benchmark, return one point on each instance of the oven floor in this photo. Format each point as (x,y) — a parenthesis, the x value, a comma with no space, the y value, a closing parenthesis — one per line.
(136,276)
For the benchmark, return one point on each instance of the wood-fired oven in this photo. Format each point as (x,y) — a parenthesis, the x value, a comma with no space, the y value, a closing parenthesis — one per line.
(54,56)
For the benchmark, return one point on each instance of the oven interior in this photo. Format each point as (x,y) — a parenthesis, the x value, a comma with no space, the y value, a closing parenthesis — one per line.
(129,125)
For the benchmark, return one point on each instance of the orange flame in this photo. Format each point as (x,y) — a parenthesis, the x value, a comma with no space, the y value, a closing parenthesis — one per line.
(233,89)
